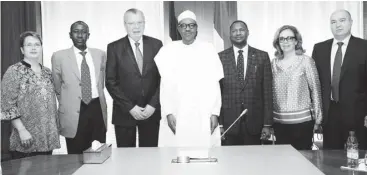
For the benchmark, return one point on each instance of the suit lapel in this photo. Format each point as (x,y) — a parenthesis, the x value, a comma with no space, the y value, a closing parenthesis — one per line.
(231,60)
(73,62)
(250,61)
(147,52)
(347,57)
(328,58)
(326,65)
(96,62)
(131,55)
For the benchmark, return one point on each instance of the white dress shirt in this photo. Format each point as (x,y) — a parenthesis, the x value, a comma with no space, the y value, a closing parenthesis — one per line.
(245,55)
(334,49)
(132,43)
(88,58)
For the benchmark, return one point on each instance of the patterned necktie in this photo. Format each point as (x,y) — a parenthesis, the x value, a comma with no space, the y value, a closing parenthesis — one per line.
(336,72)
(139,57)
(85,80)
(240,70)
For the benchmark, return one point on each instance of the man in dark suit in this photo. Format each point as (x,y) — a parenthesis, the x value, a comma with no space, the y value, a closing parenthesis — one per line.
(132,79)
(342,67)
(247,84)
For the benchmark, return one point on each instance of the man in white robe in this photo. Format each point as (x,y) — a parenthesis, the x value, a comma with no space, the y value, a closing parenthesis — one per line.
(190,93)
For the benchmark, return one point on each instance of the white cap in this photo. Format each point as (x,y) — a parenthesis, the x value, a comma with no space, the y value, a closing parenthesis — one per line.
(186,14)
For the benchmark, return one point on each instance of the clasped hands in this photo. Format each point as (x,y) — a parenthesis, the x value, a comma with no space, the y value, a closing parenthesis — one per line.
(171,119)
(140,113)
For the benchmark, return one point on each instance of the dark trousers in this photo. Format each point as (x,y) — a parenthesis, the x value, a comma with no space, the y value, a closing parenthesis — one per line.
(336,132)
(19,155)
(242,138)
(298,135)
(90,127)
(148,134)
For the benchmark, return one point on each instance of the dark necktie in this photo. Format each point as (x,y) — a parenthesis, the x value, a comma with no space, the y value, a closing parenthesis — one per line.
(139,57)
(85,80)
(336,72)
(240,71)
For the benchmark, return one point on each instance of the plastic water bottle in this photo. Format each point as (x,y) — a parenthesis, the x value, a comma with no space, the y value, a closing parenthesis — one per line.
(352,150)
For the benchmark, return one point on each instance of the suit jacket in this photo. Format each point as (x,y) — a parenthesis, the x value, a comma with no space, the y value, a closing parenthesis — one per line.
(126,85)
(256,94)
(353,80)
(66,77)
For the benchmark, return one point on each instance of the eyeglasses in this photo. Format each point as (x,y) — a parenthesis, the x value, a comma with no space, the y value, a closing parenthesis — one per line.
(286,39)
(140,23)
(37,45)
(184,26)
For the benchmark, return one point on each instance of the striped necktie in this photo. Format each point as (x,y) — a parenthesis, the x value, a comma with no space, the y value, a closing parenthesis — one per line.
(139,57)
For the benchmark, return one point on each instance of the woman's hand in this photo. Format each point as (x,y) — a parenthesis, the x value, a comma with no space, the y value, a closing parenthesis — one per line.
(172,122)
(25,138)
(317,129)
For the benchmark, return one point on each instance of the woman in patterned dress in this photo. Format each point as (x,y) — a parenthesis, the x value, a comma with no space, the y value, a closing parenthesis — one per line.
(297,103)
(28,100)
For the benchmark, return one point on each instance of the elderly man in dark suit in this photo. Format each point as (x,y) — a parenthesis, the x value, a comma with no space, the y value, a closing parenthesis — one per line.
(247,84)
(132,79)
(342,66)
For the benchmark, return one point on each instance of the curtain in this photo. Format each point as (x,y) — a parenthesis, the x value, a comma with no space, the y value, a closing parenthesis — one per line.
(106,24)
(365,19)
(16,17)
(172,19)
(204,11)
(225,12)
(310,18)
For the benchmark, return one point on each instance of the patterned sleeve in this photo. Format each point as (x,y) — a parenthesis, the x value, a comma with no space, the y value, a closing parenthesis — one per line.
(9,94)
(315,88)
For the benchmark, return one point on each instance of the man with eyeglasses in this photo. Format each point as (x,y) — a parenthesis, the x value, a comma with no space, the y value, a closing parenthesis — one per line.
(247,84)
(132,79)
(342,66)
(190,92)
(78,74)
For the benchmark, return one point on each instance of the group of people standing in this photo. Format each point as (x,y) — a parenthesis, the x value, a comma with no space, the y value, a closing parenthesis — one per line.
(185,94)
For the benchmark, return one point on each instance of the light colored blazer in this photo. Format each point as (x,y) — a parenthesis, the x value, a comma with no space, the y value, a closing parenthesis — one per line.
(67,84)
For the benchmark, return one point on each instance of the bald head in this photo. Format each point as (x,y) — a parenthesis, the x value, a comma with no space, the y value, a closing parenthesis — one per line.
(341,24)
(342,11)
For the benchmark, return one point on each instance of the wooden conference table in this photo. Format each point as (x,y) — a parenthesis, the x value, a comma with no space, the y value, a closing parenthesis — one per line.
(264,159)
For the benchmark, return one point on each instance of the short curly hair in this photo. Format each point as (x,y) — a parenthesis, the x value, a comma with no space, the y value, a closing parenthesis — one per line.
(299,49)
(29,33)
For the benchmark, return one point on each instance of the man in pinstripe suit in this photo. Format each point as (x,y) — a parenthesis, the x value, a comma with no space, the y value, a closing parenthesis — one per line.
(247,84)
